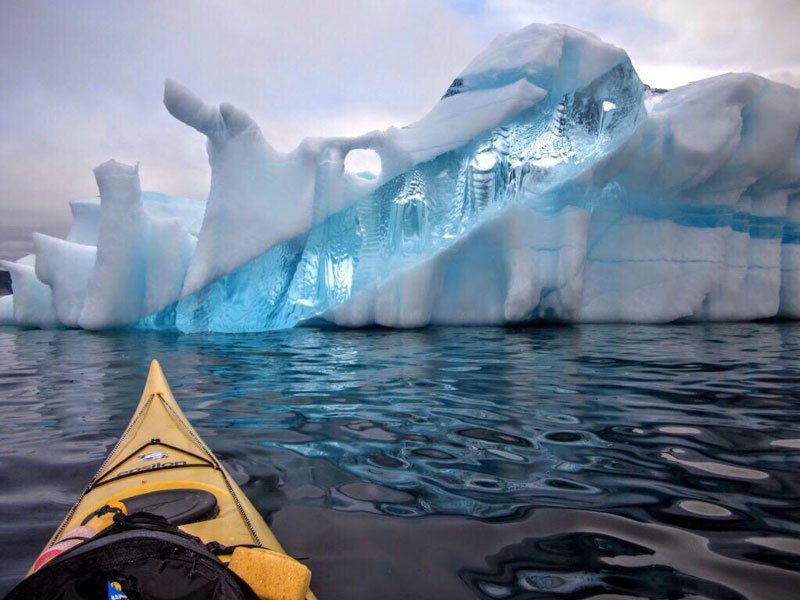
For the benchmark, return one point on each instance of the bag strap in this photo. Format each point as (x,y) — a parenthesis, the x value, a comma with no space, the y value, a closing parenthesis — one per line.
(139,520)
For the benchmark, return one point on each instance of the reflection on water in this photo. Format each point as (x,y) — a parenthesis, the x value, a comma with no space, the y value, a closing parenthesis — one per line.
(563,462)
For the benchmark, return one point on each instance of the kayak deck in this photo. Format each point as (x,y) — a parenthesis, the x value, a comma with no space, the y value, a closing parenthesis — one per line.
(158,451)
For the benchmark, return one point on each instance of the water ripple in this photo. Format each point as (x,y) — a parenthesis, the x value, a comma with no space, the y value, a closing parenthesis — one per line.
(691,428)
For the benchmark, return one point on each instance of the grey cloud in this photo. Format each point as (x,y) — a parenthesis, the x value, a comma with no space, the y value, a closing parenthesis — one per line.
(752,35)
(15,242)
(83,83)
(676,41)
(788,77)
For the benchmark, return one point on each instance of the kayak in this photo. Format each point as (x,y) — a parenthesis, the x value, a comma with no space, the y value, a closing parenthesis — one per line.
(162,476)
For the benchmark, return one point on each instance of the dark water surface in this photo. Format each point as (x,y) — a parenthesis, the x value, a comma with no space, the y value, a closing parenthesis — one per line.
(566,462)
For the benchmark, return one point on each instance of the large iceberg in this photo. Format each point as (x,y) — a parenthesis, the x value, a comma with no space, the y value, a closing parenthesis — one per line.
(548,183)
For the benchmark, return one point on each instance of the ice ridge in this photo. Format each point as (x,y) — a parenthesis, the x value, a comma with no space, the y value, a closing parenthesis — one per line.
(547,184)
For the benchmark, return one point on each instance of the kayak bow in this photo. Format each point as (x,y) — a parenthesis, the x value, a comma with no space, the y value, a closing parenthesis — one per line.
(160,461)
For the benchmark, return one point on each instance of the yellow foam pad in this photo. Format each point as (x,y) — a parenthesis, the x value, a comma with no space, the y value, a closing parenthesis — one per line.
(271,575)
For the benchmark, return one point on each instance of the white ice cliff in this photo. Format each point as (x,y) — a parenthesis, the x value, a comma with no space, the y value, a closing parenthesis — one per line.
(547,184)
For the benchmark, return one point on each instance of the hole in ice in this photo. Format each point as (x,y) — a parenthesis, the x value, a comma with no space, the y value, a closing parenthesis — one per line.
(484,161)
(363,162)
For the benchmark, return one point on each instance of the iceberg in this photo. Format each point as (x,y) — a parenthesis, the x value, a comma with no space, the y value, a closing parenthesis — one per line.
(548,184)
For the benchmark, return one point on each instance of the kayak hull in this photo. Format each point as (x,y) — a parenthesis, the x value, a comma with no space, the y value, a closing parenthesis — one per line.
(160,451)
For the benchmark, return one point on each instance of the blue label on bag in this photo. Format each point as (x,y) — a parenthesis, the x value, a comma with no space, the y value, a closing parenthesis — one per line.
(115,591)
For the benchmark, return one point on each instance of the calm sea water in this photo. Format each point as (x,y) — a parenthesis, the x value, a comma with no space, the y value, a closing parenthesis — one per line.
(564,462)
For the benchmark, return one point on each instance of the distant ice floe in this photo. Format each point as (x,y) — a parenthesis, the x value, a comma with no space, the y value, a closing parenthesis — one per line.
(547,184)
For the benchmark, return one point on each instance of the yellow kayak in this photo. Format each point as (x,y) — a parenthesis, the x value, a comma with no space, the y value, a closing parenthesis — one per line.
(160,461)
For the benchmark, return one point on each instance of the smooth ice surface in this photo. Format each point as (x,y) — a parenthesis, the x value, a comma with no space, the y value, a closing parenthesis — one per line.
(547,184)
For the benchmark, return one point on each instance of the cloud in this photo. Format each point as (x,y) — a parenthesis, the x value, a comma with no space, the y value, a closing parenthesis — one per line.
(84,84)
(674,42)
(788,77)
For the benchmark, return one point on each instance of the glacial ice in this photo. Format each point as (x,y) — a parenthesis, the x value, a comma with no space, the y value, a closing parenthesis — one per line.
(547,184)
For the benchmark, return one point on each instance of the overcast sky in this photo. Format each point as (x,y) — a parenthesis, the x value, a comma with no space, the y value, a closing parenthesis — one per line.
(82,82)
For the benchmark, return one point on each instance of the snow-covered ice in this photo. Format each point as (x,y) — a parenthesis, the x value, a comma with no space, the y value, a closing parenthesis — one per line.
(547,184)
